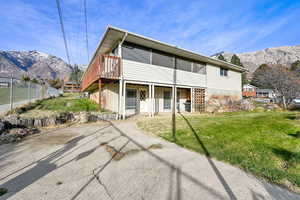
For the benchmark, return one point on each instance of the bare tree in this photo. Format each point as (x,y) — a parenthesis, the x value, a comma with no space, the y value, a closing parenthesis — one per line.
(283,81)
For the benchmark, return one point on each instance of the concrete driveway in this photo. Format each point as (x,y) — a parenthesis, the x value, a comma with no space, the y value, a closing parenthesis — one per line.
(117,161)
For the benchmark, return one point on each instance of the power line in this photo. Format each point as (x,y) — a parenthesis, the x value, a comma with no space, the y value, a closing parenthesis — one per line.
(86,30)
(79,33)
(63,30)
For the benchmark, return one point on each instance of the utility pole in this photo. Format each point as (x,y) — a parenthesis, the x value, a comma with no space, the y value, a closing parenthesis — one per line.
(174,91)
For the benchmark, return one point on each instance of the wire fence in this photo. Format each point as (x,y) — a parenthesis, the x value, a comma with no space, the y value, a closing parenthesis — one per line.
(15,92)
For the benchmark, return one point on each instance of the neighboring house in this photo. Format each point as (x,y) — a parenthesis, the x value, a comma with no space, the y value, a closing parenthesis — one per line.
(4,84)
(249,90)
(131,74)
(267,94)
(71,86)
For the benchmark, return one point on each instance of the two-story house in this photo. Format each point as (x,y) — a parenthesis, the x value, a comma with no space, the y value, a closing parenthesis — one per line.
(249,90)
(131,74)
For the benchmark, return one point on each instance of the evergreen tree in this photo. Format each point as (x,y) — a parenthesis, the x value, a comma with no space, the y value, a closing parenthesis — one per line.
(236,60)
(25,78)
(221,57)
(258,77)
(296,66)
(76,74)
(56,83)
(35,81)
(244,78)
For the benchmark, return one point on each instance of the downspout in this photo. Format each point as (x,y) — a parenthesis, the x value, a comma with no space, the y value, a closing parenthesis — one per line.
(120,53)
(121,93)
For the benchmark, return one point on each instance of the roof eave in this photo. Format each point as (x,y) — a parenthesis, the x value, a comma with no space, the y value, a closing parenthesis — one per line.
(213,60)
(206,59)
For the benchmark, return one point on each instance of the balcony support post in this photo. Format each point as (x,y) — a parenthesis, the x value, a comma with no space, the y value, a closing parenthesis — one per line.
(100,106)
(153,100)
(124,100)
(120,99)
(192,100)
(150,101)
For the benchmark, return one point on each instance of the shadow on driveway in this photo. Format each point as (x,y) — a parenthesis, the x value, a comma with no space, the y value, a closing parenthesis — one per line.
(45,165)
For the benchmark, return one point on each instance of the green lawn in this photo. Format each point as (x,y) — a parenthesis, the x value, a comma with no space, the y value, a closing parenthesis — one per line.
(266,144)
(68,102)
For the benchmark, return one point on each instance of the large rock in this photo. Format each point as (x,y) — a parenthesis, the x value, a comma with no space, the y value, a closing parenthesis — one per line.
(4,125)
(18,121)
(222,103)
(247,105)
(84,117)
(16,134)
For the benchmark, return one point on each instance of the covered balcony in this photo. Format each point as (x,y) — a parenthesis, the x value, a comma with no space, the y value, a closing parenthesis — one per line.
(102,67)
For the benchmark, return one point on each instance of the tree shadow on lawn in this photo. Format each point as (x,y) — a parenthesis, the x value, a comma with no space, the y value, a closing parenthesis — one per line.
(294,115)
(290,158)
(277,193)
(295,135)
(208,156)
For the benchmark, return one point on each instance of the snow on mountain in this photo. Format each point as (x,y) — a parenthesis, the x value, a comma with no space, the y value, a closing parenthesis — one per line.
(276,55)
(34,64)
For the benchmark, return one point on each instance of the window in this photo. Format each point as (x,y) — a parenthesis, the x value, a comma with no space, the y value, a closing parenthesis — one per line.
(167,100)
(162,59)
(130,98)
(223,72)
(146,55)
(183,64)
(136,53)
(199,68)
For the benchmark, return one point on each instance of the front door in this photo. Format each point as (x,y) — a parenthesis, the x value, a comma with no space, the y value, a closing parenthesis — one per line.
(143,102)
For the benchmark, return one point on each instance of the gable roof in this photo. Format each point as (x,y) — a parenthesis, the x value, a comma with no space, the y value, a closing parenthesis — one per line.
(113,35)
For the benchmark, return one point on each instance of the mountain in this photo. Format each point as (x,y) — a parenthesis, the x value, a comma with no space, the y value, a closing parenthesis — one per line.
(277,55)
(34,64)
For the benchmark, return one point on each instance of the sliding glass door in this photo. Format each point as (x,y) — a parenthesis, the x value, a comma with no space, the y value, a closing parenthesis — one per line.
(131,100)
(167,100)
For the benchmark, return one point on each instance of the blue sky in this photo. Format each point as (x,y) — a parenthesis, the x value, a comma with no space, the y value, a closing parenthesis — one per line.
(206,27)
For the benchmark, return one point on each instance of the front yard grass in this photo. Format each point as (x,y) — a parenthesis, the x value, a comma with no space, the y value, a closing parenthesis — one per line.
(65,103)
(266,144)
(68,102)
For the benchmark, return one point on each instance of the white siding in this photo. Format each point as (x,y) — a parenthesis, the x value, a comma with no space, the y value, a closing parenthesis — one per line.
(231,82)
(190,79)
(223,85)
(152,73)
(110,97)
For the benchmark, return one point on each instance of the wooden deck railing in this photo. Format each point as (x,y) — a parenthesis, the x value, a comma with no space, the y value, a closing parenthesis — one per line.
(104,66)
(110,67)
